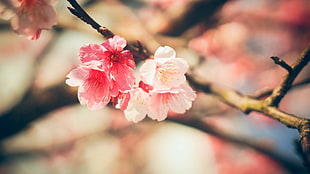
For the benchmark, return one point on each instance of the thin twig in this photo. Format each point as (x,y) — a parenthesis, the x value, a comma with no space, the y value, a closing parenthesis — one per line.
(248,104)
(282,63)
(138,51)
(268,92)
(79,12)
(279,92)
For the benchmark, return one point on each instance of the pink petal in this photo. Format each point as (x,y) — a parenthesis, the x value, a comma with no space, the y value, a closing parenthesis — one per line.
(122,100)
(48,16)
(182,101)
(138,105)
(95,90)
(178,99)
(159,108)
(170,74)
(23,24)
(77,76)
(116,43)
(31,17)
(36,35)
(91,52)
(123,78)
(164,52)
(128,58)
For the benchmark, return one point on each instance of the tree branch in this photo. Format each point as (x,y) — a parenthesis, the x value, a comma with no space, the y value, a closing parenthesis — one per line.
(279,92)
(267,92)
(79,12)
(137,50)
(268,106)
(282,63)
(34,105)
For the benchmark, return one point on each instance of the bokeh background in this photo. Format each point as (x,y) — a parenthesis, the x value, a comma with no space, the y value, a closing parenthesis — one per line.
(225,42)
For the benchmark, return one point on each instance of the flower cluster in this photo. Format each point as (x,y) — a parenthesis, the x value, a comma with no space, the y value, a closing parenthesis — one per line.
(162,88)
(108,74)
(107,70)
(31,16)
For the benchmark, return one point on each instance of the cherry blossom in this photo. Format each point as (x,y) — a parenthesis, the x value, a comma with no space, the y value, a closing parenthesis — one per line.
(137,103)
(162,88)
(165,70)
(178,99)
(32,16)
(93,85)
(112,58)
(107,71)
(108,75)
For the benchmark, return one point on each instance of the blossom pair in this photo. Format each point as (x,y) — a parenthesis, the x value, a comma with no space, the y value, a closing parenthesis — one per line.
(30,16)
(108,73)
(162,88)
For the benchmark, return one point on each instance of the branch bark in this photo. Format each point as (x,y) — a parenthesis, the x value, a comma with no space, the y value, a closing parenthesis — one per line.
(268,106)
(279,92)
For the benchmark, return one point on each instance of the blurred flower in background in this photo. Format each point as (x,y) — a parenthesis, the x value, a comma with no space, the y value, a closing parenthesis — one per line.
(30,16)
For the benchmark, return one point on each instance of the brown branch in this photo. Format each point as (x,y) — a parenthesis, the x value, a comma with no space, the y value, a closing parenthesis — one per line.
(195,12)
(79,12)
(304,140)
(279,92)
(282,63)
(34,105)
(244,103)
(248,104)
(138,50)
(268,92)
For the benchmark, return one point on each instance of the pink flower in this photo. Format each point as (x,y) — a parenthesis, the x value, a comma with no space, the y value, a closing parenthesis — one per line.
(137,103)
(165,71)
(108,70)
(93,85)
(178,99)
(32,16)
(112,58)
(162,88)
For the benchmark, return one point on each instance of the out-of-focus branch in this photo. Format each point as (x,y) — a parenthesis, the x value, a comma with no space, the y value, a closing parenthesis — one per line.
(194,13)
(34,105)
(203,126)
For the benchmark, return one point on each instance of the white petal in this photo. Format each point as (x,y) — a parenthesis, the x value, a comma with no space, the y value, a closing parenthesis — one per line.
(147,71)
(138,105)
(164,52)
(159,108)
